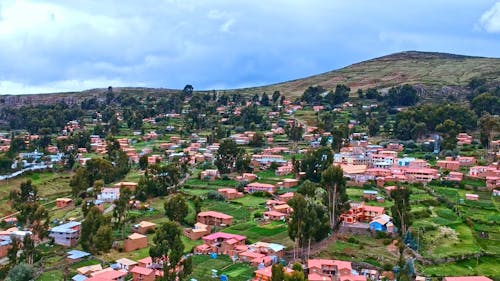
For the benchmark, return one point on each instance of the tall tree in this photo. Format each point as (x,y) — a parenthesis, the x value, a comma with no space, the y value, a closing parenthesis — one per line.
(296,221)
(167,243)
(227,154)
(489,126)
(401,209)
(95,227)
(449,130)
(277,272)
(120,211)
(332,180)
(176,208)
(315,162)
(21,272)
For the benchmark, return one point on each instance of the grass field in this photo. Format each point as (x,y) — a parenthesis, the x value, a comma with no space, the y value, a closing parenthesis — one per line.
(50,186)
(203,266)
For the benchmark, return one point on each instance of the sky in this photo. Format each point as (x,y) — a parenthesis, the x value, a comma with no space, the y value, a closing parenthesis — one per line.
(60,45)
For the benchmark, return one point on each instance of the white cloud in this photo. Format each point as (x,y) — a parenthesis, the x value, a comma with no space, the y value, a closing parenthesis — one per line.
(490,20)
(15,88)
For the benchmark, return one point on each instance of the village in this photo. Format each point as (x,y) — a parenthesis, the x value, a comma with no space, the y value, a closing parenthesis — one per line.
(241,206)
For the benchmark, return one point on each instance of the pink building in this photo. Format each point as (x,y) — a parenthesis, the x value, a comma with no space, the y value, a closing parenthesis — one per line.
(257,186)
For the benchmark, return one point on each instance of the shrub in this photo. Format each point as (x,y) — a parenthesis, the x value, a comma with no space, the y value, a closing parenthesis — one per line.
(263,194)
(353,240)
(381,235)
(214,195)
(257,215)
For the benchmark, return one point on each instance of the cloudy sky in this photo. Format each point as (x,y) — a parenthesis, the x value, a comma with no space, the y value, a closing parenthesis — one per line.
(61,45)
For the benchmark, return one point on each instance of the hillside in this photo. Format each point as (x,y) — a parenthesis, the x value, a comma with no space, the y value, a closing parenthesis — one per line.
(432,73)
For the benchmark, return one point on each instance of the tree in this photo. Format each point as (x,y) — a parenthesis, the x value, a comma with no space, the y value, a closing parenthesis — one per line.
(486,103)
(30,213)
(103,239)
(276,96)
(226,156)
(188,90)
(296,220)
(197,204)
(315,162)
(264,100)
(120,211)
(401,209)
(257,140)
(332,180)
(159,180)
(373,127)
(449,130)
(176,208)
(488,127)
(167,243)
(143,162)
(95,227)
(79,182)
(294,132)
(21,272)
(187,267)
(277,272)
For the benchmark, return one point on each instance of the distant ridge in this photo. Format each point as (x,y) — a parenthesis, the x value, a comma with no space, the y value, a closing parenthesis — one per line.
(434,74)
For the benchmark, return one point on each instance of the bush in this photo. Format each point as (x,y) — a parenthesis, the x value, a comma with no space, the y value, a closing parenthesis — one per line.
(353,240)
(381,235)
(257,215)
(421,214)
(387,241)
(214,195)
(262,194)
(78,201)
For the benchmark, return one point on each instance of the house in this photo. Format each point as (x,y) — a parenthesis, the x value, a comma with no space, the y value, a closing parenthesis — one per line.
(274,216)
(492,182)
(359,212)
(214,218)
(322,269)
(288,183)
(198,231)
(127,184)
(221,243)
(66,234)
(210,174)
(268,249)
(472,197)
(109,194)
(382,223)
(370,194)
(257,186)
(89,269)
(76,256)
(282,208)
(126,264)
(144,227)
(230,193)
(285,196)
(464,138)
(79,277)
(448,164)
(467,278)
(246,177)
(110,275)
(454,176)
(134,242)
(265,274)
(142,274)
(63,202)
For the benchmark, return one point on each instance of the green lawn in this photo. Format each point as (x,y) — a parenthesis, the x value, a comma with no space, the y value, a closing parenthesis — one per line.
(437,246)
(483,266)
(203,265)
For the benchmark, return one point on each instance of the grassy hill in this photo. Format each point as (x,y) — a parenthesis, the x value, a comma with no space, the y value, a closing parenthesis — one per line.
(433,74)
(430,71)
